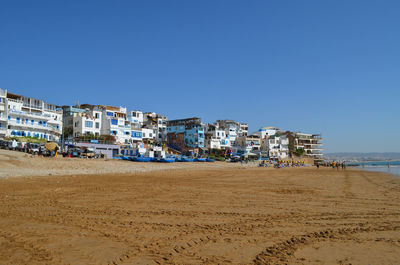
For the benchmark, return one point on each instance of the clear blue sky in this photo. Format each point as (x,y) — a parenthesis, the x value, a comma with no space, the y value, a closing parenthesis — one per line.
(326,66)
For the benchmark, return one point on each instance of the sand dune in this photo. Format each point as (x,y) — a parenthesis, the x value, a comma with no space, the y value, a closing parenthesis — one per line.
(201,214)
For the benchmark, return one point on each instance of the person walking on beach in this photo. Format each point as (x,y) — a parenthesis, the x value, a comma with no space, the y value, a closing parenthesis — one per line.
(343,165)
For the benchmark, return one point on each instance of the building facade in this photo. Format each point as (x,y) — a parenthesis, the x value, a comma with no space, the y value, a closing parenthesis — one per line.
(158,123)
(22,116)
(310,143)
(248,145)
(3,112)
(186,135)
(82,120)
(274,143)
(115,122)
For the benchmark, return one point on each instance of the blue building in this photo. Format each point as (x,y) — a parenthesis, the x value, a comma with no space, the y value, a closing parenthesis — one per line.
(186,135)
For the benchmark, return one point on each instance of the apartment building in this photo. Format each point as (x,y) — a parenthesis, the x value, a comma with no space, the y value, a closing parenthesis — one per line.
(82,120)
(3,112)
(115,122)
(158,123)
(216,137)
(30,117)
(186,135)
(248,145)
(274,143)
(311,143)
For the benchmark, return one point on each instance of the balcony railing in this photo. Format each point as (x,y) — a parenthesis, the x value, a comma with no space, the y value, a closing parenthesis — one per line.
(15,100)
(30,114)
(34,126)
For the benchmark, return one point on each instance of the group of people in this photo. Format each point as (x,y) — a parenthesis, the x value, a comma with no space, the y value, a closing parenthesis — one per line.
(280,163)
(334,165)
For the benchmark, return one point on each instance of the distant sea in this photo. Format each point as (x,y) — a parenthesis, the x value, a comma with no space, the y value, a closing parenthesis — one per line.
(381,166)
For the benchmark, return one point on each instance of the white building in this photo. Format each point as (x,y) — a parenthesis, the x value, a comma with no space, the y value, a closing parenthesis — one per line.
(82,120)
(276,146)
(311,143)
(244,129)
(248,145)
(136,119)
(273,143)
(148,134)
(116,123)
(3,112)
(29,117)
(211,143)
(217,138)
(158,123)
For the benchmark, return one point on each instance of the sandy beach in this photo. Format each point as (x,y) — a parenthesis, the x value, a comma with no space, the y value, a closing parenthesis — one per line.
(75,211)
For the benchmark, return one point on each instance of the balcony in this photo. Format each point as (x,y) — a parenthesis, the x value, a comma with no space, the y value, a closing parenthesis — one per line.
(313,149)
(29,114)
(37,107)
(54,121)
(15,100)
(317,136)
(34,126)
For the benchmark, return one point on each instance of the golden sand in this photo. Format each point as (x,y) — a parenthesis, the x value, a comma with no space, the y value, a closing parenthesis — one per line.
(202,215)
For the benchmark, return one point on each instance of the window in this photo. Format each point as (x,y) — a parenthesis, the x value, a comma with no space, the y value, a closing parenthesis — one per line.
(26,121)
(97,115)
(9,118)
(110,114)
(88,124)
(97,125)
(18,119)
(133,114)
(144,135)
(126,133)
(76,123)
(114,122)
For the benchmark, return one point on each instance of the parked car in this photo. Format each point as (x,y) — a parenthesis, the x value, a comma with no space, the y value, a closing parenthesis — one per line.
(3,144)
(88,153)
(33,148)
(21,146)
(73,152)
